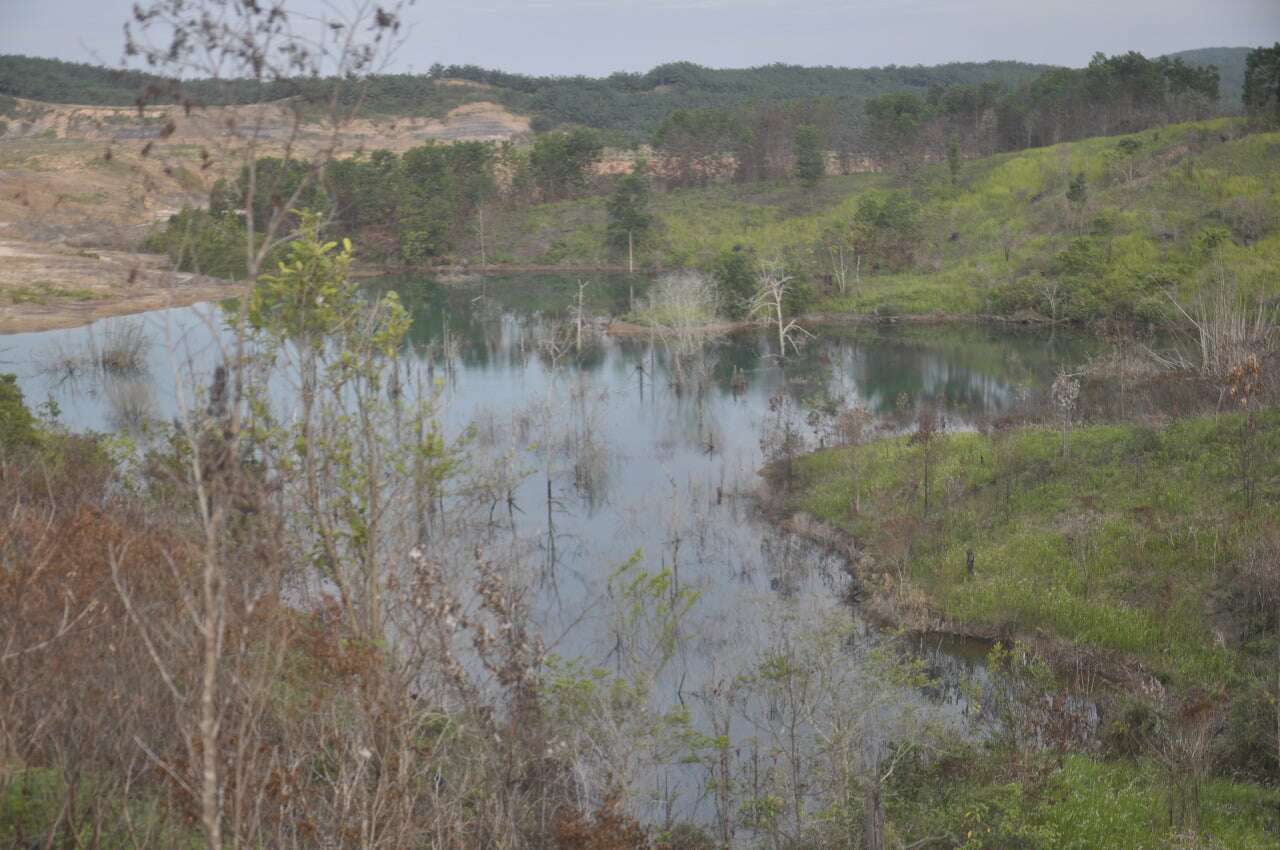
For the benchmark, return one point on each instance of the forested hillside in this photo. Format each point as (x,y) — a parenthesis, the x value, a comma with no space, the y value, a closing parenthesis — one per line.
(1099,229)
(636,104)
(633,105)
(1230,64)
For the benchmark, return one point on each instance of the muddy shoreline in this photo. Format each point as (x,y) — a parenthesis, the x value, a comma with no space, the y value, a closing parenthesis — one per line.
(35,317)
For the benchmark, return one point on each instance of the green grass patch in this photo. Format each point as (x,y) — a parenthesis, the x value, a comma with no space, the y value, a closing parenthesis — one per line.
(36,810)
(1073,803)
(45,292)
(1120,545)
(1161,217)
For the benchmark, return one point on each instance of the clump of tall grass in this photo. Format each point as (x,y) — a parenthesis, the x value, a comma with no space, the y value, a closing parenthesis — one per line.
(122,350)
(1228,327)
(130,405)
(681,301)
(119,351)
(682,305)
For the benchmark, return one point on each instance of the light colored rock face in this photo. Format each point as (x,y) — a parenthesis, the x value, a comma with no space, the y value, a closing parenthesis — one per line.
(272,123)
(479,121)
(81,185)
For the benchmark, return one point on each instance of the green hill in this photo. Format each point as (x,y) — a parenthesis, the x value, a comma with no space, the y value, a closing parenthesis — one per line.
(1230,64)
(635,104)
(1162,212)
(630,105)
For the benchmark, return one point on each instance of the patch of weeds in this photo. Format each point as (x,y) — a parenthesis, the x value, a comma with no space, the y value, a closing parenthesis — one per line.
(42,292)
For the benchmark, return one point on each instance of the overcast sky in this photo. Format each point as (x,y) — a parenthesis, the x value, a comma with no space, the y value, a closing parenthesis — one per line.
(599,36)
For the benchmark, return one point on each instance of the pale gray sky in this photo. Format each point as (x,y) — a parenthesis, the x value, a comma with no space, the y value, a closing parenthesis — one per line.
(598,36)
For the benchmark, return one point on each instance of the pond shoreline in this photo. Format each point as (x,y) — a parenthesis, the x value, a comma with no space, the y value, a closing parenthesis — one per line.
(1068,661)
(621,327)
(61,315)
(32,317)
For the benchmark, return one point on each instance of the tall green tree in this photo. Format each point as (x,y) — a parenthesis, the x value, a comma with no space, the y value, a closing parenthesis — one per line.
(425,208)
(1262,85)
(362,190)
(560,163)
(894,125)
(1078,196)
(277,186)
(17,425)
(630,222)
(735,274)
(441,187)
(810,160)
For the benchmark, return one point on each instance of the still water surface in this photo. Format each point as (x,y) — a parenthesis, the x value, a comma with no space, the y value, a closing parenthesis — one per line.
(644,466)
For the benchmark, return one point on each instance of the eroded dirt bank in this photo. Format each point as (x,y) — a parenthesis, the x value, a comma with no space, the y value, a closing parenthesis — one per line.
(48,285)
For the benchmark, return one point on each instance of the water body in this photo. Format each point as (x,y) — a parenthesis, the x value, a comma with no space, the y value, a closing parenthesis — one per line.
(643,467)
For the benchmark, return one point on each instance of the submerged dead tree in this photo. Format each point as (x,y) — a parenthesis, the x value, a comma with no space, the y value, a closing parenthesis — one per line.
(774,286)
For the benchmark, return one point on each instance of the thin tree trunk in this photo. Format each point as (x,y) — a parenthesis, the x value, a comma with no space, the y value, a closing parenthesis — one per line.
(873,818)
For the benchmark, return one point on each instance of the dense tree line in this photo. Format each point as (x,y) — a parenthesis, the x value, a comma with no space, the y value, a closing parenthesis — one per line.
(630,106)
(633,106)
(1261,93)
(56,81)
(759,141)
(412,208)
(1113,95)
(636,104)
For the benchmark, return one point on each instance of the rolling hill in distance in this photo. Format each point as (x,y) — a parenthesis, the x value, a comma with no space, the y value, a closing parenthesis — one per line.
(629,106)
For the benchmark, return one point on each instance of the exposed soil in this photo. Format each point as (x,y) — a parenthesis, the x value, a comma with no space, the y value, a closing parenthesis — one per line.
(45,286)
(81,186)
(270,123)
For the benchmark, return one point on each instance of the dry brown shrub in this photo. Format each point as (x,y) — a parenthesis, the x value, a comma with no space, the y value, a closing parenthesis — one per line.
(607,829)
(75,685)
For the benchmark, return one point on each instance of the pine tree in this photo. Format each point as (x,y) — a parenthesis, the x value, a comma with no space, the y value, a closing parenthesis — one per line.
(628,210)
(807,147)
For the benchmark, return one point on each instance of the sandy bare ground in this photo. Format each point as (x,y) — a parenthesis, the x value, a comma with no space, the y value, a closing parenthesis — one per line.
(44,286)
(81,187)
(71,218)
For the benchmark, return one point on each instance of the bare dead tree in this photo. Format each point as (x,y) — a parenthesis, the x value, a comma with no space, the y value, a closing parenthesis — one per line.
(840,267)
(930,425)
(578,316)
(769,303)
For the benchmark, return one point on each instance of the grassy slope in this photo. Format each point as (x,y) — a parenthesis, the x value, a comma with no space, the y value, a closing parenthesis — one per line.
(1143,236)
(983,801)
(1097,548)
(1127,550)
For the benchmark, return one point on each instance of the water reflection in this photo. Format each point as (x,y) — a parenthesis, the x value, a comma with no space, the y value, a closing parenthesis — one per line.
(597,452)
(580,458)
